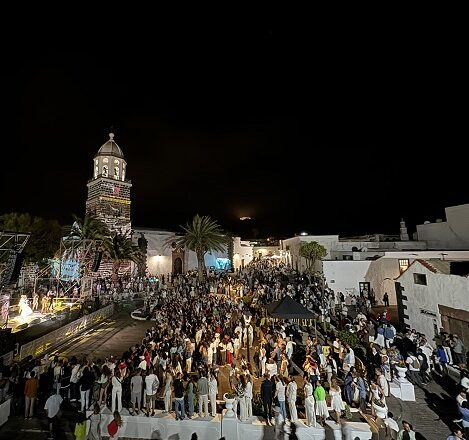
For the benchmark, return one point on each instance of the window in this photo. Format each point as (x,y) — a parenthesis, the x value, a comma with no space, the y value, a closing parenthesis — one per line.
(420,278)
(116,172)
(105,160)
(403,265)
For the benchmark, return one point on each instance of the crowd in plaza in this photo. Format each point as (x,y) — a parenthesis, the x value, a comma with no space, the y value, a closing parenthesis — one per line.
(199,328)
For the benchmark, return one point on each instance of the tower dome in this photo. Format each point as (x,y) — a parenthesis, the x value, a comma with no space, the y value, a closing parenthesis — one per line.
(110,148)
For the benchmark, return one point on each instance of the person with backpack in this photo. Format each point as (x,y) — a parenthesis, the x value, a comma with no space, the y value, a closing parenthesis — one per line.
(424,367)
(413,369)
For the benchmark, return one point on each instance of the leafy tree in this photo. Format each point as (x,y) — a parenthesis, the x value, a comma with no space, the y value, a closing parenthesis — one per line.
(119,248)
(202,235)
(312,252)
(45,234)
(89,228)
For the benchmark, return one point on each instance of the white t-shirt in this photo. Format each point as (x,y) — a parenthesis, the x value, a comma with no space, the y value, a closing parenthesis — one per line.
(53,405)
(409,362)
(149,384)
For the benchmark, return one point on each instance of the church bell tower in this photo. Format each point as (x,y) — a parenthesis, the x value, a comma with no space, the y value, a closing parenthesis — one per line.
(109,190)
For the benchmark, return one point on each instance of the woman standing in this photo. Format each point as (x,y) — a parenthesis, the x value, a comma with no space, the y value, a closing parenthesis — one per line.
(95,421)
(248,396)
(167,392)
(280,394)
(116,391)
(115,425)
(240,391)
(309,404)
(337,402)
(190,396)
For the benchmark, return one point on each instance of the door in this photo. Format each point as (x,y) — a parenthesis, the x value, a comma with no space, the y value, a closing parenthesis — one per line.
(177,267)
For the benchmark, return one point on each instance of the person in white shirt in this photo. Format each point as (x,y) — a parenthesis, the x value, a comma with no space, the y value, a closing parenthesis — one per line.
(281,396)
(167,391)
(52,408)
(291,397)
(413,366)
(116,382)
(212,393)
(136,390)
(309,404)
(151,387)
(248,396)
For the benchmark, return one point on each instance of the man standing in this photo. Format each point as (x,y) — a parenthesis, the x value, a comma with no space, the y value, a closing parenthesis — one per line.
(267,396)
(386,299)
(202,390)
(52,408)
(30,395)
(178,387)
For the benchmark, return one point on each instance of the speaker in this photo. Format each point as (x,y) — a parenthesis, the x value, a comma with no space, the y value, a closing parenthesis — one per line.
(16,269)
(97,261)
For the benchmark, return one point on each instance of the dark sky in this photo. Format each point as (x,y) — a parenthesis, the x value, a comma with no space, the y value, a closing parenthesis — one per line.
(302,130)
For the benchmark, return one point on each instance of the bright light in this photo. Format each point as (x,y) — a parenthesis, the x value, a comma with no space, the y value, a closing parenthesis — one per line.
(245,218)
(304,233)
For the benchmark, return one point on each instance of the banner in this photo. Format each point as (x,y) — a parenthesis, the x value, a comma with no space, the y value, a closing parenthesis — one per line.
(69,269)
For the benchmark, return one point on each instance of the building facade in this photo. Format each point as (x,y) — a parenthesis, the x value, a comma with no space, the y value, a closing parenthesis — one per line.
(433,298)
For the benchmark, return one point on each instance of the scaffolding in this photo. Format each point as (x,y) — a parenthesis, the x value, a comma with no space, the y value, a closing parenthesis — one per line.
(12,245)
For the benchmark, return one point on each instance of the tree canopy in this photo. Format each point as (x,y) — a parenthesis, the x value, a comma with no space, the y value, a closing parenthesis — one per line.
(45,234)
(312,252)
(202,235)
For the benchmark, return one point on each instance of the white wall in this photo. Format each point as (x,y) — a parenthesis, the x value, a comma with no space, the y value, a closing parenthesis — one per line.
(344,276)
(447,290)
(159,255)
(451,234)
(381,275)
(242,253)
(294,244)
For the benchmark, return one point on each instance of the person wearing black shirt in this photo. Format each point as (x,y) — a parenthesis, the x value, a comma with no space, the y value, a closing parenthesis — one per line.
(267,397)
(178,387)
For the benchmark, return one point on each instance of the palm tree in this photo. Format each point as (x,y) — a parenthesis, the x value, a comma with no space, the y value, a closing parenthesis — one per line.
(202,235)
(119,248)
(89,228)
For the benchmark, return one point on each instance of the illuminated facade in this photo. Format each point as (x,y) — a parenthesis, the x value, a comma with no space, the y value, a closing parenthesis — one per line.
(108,190)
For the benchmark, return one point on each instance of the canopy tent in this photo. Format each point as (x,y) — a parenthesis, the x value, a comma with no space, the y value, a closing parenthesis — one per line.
(288,308)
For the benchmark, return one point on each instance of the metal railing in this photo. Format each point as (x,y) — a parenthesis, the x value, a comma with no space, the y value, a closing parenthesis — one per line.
(57,337)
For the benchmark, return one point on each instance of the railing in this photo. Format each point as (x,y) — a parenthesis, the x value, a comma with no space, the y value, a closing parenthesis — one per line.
(53,339)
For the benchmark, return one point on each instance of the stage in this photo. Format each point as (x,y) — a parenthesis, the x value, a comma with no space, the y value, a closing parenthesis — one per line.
(18,323)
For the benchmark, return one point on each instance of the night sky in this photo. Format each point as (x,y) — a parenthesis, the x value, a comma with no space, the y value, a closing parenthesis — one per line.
(300,130)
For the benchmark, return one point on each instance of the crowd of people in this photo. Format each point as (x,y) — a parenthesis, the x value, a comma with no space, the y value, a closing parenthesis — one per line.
(200,328)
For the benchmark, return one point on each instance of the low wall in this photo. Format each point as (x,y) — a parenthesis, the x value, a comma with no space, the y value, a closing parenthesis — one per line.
(53,339)
(164,427)
(4,411)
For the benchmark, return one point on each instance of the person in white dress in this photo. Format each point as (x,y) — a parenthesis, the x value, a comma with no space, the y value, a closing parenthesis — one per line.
(23,306)
(291,399)
(248,397)
(95,424)
(336,401)
(309,404)
(382,382)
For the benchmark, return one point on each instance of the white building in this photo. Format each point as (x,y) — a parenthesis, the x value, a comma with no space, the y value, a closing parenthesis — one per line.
(243,253)
(164,258)
(290,249)
(434,298)
(450,234)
